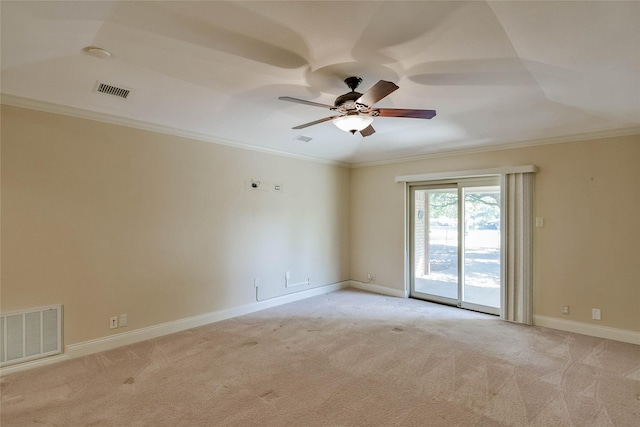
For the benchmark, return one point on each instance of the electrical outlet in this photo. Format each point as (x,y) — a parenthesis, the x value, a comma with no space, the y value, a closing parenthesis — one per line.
(595,314)
(565,309)
(122,320)
(371,277)
(113,322)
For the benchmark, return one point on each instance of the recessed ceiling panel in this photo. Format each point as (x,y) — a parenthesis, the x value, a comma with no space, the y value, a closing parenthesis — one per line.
(495,72)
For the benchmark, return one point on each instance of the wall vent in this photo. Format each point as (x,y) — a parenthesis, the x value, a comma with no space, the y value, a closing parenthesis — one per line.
(30,334)
(120,92)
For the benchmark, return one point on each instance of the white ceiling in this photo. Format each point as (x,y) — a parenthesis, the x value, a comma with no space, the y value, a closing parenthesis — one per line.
(496,72)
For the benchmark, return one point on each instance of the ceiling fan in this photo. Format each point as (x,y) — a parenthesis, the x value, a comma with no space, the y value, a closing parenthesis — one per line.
(355,110)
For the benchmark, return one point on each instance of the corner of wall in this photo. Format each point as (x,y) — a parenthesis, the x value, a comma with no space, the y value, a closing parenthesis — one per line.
(377,289)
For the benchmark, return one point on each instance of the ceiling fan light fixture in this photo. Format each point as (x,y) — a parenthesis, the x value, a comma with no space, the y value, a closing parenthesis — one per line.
(353,122)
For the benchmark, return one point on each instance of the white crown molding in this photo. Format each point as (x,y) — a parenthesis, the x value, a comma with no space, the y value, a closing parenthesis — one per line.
(611,133)
(48,107)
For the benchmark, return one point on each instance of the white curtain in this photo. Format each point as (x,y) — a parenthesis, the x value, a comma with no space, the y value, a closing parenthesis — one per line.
(517,253)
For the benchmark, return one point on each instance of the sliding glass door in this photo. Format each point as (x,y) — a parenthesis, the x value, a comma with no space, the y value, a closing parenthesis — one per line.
(455,243)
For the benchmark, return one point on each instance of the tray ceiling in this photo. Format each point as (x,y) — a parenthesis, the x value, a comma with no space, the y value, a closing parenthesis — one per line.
(497,73)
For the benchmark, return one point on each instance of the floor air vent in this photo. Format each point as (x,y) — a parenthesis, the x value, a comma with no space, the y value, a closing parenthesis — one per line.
(30,334)
(120,92)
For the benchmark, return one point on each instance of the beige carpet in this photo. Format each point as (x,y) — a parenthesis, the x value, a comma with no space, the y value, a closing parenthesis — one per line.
(349,358)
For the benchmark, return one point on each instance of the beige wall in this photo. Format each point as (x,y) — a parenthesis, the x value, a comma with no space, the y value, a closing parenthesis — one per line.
(587,255)
(108,220)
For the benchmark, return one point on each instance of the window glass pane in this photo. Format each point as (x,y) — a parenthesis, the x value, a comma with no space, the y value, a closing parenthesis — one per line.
(482,246)
(436,242)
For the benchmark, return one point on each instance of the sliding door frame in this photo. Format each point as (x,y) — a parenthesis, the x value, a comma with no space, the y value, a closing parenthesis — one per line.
(516,300)
(459,185)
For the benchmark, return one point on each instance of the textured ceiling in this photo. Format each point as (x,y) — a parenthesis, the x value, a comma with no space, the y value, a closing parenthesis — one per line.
(496,72)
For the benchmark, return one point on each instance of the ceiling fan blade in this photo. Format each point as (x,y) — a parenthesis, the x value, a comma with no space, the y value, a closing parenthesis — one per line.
(302,101)
(326,119)
(377,92)
(401,112)
(369,130)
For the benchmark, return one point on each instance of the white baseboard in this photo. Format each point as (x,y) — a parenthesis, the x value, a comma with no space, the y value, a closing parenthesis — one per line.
(33,364)
(623,335)
(615,334)
(377,289)
(107,343)
(127,338)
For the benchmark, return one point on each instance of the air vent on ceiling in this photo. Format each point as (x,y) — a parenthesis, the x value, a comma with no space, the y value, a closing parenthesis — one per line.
(108,89)
(302,138)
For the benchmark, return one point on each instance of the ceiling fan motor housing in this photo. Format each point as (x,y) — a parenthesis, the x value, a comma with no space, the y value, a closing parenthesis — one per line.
(347,103)
(347,98)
